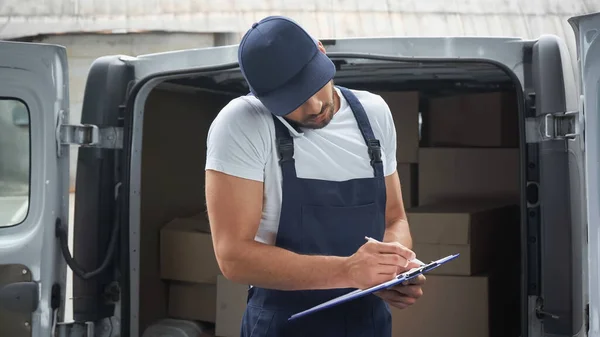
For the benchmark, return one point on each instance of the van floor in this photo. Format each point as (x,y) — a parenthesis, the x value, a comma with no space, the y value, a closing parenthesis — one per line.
(176,124)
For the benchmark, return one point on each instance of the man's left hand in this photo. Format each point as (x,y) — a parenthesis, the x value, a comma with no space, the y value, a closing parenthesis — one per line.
(404,295)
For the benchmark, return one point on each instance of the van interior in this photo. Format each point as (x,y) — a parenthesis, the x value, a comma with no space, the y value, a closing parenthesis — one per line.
(458,131)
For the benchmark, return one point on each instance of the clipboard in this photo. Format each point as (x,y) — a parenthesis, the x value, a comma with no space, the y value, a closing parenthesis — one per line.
(360,293)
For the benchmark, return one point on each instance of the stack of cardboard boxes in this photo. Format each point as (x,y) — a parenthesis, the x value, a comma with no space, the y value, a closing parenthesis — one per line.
(467,196)
(197,289)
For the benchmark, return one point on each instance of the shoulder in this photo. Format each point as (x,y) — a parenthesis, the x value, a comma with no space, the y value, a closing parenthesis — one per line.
(243,111)
(240,139)
(243,117)
(376,108)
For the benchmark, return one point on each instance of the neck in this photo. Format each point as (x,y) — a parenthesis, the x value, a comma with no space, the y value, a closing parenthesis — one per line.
(336,101)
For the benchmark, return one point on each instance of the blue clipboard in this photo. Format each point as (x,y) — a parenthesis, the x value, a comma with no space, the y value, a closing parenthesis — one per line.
(360,293)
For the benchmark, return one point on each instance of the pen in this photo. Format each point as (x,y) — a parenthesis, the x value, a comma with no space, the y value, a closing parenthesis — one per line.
(415,260)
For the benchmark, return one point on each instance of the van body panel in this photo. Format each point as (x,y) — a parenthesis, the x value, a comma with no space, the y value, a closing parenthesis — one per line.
(36,75)
(587,36)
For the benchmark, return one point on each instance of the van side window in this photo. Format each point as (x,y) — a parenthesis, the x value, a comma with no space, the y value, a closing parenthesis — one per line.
(14,161)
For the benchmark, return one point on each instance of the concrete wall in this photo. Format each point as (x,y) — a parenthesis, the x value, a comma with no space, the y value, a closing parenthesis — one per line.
(83,49)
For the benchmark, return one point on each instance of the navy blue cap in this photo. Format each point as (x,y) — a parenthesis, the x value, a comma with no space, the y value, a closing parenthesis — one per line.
(282,64)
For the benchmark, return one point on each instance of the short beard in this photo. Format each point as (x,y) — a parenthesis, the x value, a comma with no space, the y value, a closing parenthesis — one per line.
(327,109)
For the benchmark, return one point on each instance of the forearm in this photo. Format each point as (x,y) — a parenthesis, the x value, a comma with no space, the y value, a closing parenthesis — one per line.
(273,267)
(398,231)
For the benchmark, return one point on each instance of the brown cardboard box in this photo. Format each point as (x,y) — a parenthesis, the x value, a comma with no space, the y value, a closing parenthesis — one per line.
(474,229)
(478,120)
(408,182)
(451,306)
(193,301)
(468,173)
(231,304)
(470,262)
(405,111)
(186,252)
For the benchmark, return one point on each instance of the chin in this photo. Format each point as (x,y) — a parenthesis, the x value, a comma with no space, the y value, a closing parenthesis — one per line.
(318,125)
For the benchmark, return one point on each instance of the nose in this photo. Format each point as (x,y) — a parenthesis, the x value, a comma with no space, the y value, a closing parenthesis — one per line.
(314,106)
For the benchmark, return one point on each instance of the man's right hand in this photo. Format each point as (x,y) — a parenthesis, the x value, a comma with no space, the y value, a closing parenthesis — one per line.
(377,262)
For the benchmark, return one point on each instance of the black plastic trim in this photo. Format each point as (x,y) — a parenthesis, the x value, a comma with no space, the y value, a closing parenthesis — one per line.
(96,204)
(560,245)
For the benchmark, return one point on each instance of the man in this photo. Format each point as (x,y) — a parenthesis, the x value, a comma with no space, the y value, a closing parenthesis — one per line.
(298,173)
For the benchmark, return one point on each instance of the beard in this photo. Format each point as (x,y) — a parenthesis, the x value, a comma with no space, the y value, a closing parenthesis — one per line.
(323,118)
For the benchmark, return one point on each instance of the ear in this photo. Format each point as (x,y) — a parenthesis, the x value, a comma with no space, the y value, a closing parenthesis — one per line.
(321,47)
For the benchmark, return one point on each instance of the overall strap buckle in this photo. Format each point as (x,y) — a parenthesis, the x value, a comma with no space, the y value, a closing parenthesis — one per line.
(285,148)
(374,151)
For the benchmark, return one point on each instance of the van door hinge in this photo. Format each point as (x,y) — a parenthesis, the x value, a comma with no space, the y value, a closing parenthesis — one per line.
(555,126)
(88,135)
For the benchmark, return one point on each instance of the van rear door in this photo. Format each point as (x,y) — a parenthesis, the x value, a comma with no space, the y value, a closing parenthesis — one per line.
(587,35)
(34,184)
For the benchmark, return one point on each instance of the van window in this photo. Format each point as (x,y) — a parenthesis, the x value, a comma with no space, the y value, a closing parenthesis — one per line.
(14,161)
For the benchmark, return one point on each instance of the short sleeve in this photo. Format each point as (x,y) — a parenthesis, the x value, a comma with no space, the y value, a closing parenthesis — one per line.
(388,142)
(238,141)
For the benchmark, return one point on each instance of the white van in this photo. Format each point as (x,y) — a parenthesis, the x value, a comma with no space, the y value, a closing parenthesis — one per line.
(141,157)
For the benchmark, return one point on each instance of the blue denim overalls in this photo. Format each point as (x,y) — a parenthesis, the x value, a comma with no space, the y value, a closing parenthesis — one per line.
(321,217)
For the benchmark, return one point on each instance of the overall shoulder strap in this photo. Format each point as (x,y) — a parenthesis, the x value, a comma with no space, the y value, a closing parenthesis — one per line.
(285,148)
(364,125)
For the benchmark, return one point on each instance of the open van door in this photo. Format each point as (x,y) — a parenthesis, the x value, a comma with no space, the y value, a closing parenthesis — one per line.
(587,35)
(33,187)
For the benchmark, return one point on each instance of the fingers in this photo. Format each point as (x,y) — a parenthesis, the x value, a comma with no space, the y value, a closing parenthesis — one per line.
(419,280)
(389,270)
(393,260)
(394,248)
(396,299)
(412,265)
(412,291)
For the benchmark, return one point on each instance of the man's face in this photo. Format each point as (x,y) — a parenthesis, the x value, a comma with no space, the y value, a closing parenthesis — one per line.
(318,110)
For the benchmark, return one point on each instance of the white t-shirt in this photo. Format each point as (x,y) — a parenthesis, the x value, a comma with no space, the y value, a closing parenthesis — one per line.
(241,142)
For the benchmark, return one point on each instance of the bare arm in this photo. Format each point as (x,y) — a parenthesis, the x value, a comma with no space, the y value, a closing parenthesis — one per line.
(234,209)
(397,229)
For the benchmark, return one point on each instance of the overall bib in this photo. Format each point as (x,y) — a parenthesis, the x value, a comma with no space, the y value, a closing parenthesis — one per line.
(321,217)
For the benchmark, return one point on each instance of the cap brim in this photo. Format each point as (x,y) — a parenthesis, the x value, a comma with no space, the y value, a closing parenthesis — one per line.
(317,73)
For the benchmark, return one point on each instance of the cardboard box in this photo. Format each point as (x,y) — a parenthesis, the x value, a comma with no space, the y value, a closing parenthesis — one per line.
(405,111)
(468,173)
(408,182)
(478,120)
(473,229)
(451,306)
(186,252)
(193,301)
(231,305)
